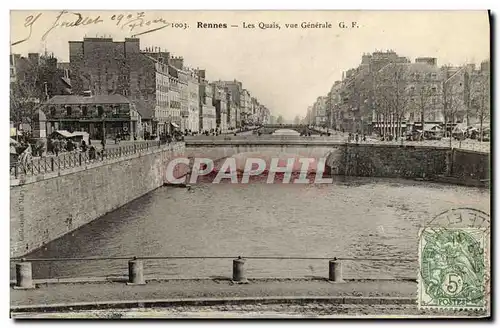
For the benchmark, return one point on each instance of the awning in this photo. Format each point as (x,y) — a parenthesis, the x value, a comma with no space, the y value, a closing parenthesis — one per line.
(388,125)
(64,133)
(174,125)
(432,127)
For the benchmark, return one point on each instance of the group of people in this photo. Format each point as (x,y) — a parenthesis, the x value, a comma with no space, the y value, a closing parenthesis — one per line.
(356,137)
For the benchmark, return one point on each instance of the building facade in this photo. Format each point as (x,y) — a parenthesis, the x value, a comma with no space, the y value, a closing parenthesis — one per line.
(193,121)
(100,116)
(220,103)
(389,94)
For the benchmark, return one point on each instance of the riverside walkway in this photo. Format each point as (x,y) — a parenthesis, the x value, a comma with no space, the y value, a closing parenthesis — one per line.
(263,298)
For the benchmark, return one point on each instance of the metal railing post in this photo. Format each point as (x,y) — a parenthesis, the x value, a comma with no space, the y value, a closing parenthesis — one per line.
(239,270)
(335,271)
(80,158)
(24,276)
(136,272)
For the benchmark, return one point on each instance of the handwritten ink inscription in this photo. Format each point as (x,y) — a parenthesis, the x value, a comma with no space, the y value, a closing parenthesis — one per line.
(137,23)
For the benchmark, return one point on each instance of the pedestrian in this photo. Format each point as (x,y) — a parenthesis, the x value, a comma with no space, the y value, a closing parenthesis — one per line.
(91,153)
(84,146)
(364,137)
(356,137)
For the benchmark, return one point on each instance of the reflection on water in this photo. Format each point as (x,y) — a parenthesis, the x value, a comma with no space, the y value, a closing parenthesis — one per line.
(360,217)
(286,132)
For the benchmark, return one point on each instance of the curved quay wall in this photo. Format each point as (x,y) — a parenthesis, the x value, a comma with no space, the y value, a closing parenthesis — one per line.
(48,206)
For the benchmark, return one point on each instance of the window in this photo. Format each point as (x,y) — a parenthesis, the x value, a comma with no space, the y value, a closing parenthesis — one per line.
(434,89)
(125,92)
(68,111)
(85,111)
(100,111)
(52,111)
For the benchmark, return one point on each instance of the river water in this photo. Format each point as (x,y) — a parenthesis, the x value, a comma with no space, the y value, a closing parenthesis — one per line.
(357,217)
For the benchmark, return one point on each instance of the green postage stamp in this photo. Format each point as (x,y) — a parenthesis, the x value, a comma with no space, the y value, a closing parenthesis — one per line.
(453,268)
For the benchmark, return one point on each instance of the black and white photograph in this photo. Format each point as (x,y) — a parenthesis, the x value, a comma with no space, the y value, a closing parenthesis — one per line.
(250,164)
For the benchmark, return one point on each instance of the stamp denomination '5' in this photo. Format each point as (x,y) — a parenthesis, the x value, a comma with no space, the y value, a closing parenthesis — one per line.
(452,268)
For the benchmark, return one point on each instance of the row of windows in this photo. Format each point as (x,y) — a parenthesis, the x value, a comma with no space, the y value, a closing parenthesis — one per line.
(85,111)
(417,76)
(175,104)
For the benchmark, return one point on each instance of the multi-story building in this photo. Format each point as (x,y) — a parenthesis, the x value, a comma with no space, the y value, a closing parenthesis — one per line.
(220,103)
(193,120)
(235,89)
(245,106)
(102,66)
(151,79)
(209,115)
(181,77)
(332,106)
(254,111)
(207,109)
(387,93)
(319,109)
(174,95)
(100,116)
(264,115)
(232,110)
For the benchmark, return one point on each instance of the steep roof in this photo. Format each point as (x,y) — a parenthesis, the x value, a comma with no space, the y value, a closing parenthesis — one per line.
(144,110)
(98,99)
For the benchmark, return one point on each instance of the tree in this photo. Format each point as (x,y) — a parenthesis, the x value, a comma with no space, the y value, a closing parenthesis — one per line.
(392,96)
(296,121)
(280,120)
(452,99)
(423,97)
(25,96)
(481,100)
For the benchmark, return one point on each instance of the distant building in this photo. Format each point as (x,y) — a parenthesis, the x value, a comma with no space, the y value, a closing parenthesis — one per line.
(220,103)
(193,119)
(235,89)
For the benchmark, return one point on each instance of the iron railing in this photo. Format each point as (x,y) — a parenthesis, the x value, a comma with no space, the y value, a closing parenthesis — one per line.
(67,160)
(24,269)
(112,258)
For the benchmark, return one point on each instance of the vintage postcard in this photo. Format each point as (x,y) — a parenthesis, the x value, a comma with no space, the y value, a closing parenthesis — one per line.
(250,164)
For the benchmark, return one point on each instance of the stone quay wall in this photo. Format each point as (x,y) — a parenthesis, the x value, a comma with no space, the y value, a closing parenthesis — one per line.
(391,161)
(468,164)
(350,159)
(46,207)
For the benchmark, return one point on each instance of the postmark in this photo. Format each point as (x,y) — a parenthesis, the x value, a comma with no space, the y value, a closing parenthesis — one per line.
(454,261)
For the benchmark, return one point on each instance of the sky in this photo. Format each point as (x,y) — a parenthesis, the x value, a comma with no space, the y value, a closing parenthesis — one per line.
(286,68)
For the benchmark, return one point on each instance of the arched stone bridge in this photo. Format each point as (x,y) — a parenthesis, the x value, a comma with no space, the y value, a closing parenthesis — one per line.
(270,128)
(282,148)
(369,160)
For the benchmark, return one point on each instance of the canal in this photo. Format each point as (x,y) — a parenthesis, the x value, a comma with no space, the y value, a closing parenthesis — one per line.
(357,217)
